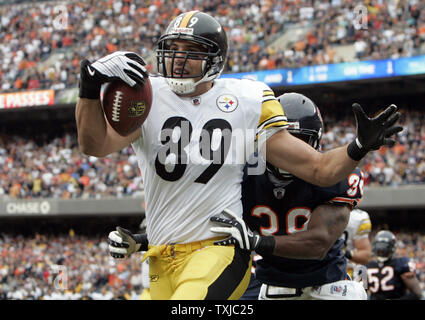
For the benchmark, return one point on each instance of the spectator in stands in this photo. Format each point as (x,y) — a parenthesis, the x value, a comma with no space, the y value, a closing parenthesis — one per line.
(26,270)
(404,164)
(26,267)
(31,32)
(56,169)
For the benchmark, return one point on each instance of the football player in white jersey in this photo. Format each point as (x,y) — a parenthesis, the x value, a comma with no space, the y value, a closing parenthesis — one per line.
(192,149)
(358,249)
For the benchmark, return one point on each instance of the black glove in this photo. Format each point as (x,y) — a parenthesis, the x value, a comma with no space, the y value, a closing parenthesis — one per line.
(122,243)
(240,235)
(124,65)
(372,133)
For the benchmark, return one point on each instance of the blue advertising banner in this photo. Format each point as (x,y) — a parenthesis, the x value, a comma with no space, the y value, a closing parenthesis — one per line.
(337,72)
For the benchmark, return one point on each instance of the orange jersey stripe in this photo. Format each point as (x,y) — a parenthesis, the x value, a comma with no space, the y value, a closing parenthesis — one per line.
(343,200)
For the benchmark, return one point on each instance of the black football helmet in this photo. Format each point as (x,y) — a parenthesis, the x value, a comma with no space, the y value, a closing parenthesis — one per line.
(203,30)
(305,123)
(384,245)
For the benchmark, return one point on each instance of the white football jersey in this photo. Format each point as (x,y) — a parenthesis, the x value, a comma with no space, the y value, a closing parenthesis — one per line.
(359,226)
(192,152)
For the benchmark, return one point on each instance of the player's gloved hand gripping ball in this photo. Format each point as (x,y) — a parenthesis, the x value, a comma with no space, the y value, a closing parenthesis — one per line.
(120,65)
(127,97)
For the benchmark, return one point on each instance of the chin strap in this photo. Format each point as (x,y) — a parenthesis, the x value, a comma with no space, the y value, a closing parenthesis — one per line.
(181,86)
(188,85)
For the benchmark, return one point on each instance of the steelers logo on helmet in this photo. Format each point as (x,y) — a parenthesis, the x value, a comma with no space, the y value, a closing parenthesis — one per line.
(227,103)
(198,28)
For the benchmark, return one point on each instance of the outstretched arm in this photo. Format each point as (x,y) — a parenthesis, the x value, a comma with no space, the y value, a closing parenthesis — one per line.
(287,152)
(326,169)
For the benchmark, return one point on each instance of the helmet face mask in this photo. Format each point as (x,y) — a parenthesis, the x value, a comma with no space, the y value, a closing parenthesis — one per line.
(167,61)
(210,41)
(384,245)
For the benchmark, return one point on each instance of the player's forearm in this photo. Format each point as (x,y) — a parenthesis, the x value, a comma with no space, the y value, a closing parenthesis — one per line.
(302,245)
(361,256)
(91,126)
(297,157)
(325,227)
(335,165)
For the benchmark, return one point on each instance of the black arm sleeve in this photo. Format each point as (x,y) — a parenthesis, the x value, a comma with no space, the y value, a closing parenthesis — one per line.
(143,240)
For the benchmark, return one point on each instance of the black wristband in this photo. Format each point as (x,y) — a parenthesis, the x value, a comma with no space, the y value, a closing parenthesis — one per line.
(355,150)
(89,90)
(143,240)
(266,246)
(89,84)
(349,254)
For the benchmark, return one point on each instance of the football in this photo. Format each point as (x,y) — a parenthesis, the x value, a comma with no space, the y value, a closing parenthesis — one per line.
(126,108)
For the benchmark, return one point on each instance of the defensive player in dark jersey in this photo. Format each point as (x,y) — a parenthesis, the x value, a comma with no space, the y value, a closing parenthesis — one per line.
(299,224)
(390,277)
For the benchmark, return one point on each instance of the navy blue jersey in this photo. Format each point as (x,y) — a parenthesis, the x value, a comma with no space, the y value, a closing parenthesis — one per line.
(385,280)
(253,290)
(272,210)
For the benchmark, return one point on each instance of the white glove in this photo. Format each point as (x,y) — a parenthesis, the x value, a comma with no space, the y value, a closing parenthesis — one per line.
(122,243)
(239,234)
(125,65)
(237,231)
(121,65)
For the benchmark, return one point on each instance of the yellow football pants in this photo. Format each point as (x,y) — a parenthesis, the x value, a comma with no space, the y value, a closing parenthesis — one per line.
(198,271)
(146,295)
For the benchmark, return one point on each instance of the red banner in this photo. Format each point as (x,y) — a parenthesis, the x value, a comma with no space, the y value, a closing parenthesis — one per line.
(27,99)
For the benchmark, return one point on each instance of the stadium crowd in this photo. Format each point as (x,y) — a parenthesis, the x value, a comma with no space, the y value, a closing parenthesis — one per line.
(85,269)
(27,267)
(56,168)
(31,32)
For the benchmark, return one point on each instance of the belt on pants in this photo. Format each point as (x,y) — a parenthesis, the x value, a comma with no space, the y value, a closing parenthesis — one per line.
(282,292)
(170,250)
